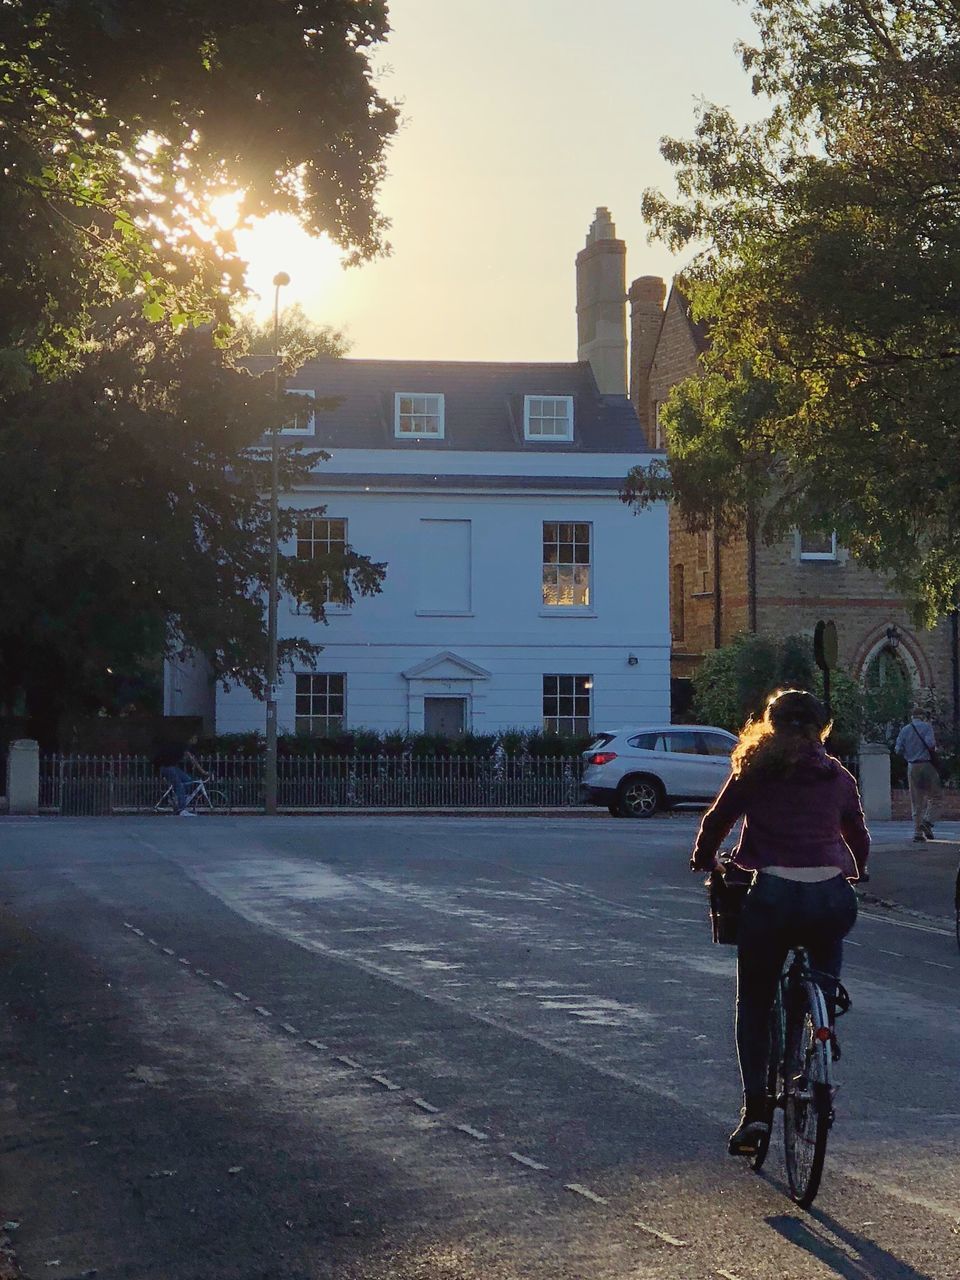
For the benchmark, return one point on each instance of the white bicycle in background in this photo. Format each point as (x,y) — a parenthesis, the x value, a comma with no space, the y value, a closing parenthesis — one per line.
(201,797)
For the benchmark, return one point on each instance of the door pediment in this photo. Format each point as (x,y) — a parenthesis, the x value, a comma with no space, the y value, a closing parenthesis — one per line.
(446,666)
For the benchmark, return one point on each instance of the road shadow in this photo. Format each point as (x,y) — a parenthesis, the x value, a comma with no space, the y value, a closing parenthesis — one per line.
(850,1255)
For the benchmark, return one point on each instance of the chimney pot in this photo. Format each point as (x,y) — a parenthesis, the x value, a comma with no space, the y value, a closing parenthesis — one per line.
(646,295)
(601,305)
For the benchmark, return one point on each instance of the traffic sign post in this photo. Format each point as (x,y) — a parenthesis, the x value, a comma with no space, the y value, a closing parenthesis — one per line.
(825,656)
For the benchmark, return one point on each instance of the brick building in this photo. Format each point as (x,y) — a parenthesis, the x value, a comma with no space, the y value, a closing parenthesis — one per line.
(719,588)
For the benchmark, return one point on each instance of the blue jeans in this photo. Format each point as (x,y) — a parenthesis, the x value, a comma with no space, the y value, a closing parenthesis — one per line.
(779,914)
(179,779)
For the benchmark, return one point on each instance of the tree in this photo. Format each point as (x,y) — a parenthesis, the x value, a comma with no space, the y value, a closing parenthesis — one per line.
(298,338)
(733,683)
(131,511)
(828,283)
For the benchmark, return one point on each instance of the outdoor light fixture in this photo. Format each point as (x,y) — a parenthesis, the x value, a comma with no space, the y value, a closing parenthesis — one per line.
(270,767)
(632,659)
(893,636)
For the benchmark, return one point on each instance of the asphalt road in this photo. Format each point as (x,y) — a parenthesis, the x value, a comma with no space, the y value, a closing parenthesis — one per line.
(441,1049)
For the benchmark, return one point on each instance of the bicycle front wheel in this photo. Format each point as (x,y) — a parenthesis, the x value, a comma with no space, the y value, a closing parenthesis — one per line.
(807,1097)
(218,800)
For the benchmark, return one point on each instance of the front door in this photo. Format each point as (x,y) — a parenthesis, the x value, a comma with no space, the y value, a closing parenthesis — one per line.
(444,717)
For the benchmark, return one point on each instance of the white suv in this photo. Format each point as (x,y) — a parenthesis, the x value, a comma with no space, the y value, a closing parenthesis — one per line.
(635,772)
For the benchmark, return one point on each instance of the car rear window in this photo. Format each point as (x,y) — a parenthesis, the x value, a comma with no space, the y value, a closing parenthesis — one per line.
(716,744)
(645,741)
(600,741)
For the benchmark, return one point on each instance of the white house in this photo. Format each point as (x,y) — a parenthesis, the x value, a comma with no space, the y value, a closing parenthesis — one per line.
(520,591)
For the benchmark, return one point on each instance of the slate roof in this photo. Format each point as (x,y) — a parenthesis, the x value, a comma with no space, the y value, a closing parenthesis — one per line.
(483,405)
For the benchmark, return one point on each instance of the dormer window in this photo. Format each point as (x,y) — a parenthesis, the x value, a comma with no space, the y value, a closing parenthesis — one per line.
(301,424)
(548,417)
(417,416)
(816,546)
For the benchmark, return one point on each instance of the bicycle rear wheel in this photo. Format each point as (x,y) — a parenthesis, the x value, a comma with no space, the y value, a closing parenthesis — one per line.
(775,1051)
(807,1100)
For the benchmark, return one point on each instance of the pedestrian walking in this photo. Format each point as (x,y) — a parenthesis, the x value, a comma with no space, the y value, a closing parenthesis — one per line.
(917,743)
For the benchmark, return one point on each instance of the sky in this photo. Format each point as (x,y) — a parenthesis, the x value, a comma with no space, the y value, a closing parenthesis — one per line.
(519,118)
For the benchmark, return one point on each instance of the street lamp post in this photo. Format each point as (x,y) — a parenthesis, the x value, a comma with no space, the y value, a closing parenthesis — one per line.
(270,773)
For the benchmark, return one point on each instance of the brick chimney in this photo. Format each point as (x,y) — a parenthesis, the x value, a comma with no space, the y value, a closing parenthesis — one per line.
(646,314)
(601,310)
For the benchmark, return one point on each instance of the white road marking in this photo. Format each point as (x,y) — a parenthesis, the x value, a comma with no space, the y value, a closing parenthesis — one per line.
(907,924)
(348,1062)
(387,1084)
(153,942)
(315,1044)
(471,1132)
(661,1235)
(531,1164)
(201,973)
(425,1106)
(937,965)
(579,1190)
(217,982)
(285,1026)
(264,1013)
(898,955)
(241,996)
(166,951)
(182,960)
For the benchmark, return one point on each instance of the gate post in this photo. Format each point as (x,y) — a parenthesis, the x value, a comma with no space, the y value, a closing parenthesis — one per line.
(875,780)
(23,776)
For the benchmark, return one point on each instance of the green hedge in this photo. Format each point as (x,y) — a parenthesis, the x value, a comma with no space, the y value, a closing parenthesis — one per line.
(368,742)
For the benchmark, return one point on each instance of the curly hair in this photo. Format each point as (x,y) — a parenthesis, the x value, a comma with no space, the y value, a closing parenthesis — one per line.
(793,720)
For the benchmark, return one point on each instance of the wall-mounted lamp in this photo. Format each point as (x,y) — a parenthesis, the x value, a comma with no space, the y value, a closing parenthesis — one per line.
(632,659)
(893,637)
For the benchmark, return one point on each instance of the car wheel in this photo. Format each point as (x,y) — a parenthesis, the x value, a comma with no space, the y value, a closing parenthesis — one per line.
(639,797)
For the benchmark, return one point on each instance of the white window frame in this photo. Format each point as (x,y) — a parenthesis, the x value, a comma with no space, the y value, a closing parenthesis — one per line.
(566,434)
(567,610)
(330,606)
(309,418)
(830,555)
(574,676)
(438,413)
(316,675)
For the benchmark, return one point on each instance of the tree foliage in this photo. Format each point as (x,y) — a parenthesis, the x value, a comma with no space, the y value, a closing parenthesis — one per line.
(732,685)
(132,517)
(828,283)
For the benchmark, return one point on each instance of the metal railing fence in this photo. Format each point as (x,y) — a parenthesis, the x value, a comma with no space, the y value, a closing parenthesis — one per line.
(81,785)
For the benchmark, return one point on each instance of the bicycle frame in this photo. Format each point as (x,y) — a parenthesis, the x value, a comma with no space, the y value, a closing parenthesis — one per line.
(196,790)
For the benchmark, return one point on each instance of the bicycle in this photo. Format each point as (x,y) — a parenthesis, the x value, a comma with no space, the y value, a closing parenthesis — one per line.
(803,1050)
(199,796)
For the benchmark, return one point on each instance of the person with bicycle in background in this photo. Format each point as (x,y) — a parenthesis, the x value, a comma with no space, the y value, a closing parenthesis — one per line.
(805,839)
(173,759)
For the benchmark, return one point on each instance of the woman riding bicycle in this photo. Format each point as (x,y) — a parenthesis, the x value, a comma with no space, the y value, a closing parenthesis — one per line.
(805,838)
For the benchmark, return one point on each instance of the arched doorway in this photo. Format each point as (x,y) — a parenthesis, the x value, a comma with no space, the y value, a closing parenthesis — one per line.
(888,692)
